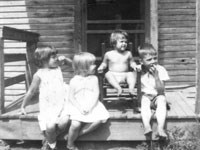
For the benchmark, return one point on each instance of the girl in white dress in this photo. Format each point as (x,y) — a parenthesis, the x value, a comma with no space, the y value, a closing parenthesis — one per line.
(53,94)
(86,112)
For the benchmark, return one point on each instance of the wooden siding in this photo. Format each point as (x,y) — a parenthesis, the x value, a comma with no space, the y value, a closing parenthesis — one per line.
(177,39)
(52,19)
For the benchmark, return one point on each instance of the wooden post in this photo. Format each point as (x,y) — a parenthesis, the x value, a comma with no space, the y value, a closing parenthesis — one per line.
(197,105)
(31,46)
(1,76)
(154,23)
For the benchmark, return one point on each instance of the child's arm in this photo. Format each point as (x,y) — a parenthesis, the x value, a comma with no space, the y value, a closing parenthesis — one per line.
(31,91)
(64,62)
(73,99)
(160,85)
(133,64)
(104,64)
(94,97)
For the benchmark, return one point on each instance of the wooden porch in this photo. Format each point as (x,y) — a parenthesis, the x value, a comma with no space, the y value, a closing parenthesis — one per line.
(123,125)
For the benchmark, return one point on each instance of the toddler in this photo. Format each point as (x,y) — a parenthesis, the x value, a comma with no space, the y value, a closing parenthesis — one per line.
(118,61)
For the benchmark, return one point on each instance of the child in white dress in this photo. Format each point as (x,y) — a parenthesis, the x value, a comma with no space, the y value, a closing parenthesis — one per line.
(86,112)
(53,94)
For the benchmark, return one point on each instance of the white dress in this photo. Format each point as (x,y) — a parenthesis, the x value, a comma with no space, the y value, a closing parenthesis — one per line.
(53,96)
(85,90)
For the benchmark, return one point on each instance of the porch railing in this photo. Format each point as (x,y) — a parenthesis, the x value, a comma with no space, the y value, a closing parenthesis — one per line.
(31,40)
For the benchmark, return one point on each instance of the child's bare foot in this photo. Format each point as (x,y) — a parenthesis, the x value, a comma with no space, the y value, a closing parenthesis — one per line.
(66,137)
(162,133)
(119,91)
(72,148)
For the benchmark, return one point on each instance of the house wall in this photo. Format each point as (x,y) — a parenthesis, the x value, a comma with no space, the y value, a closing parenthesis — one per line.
(177,39)
(52,19)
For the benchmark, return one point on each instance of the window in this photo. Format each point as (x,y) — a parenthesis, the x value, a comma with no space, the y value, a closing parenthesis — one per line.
(101,17)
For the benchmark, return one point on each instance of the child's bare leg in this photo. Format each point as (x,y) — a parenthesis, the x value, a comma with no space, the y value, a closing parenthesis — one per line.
(89,127)
(113,81)
(73,133)
(62,124)
(161,113)
(50,134)
(131,80)
(146,114)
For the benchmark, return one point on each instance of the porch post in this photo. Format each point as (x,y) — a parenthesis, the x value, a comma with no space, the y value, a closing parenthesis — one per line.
(197,105)
(154,23)
(1,75)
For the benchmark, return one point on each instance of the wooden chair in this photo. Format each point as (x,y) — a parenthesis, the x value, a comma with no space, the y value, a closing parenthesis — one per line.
(106,90)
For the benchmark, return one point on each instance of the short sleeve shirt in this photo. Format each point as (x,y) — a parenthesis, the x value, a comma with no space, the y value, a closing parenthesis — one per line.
(148,81)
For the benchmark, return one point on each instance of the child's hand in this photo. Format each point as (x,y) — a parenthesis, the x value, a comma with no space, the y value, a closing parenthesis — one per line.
(23,111)
(61,59)
(100,70)
(84,112)
(138,68)
(153,70)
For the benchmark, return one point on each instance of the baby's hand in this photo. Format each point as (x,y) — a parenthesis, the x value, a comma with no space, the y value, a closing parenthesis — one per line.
(61,59)
(137,67)
(100,70)
(23,111)
(84,112)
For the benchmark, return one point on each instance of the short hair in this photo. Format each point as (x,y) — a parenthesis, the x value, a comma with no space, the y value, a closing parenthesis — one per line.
(43,53)
(117,34)
(82,62)
(146,49)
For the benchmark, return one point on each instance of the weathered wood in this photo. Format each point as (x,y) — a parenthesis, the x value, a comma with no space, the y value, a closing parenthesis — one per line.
(14,57)
(177,6)
(31,46)
(176,12)
(177,30)
(197,105)
(14,80)
(1,76)
(15,34)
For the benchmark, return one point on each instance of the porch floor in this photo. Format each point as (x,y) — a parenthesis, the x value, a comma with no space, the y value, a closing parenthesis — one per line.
(123,124)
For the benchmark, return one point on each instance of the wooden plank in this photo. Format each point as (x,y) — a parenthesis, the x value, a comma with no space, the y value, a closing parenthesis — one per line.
(165,12)
(1,76)
(177,1)
(14,57)
(16,34)
(37,20)
(177,54)
(177,48)
(36,2)
(174,30)
(177,36)
(176,6)
(14,80)
(177,60)
(177,18)
(197,105)
(177,42)
(180,24)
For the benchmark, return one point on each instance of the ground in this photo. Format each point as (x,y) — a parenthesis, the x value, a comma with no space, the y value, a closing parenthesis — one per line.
(36,145)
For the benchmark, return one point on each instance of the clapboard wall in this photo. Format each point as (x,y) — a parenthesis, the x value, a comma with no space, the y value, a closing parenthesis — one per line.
(52,19)
(176,39)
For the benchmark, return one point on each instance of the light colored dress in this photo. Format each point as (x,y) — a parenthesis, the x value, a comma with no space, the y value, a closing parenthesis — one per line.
(53,96)
(85,91)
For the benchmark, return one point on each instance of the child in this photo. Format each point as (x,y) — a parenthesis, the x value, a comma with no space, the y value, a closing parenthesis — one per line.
(153,89)
(86,112)
(118,61)
(48,79)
